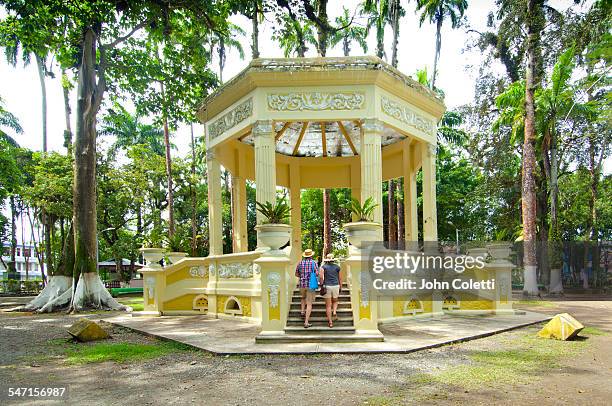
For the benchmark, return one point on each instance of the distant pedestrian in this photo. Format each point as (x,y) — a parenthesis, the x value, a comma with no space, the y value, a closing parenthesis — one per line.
(332,280)
(304,270)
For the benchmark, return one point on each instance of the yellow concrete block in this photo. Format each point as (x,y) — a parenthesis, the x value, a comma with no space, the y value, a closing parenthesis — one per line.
(561,327)
(86,330)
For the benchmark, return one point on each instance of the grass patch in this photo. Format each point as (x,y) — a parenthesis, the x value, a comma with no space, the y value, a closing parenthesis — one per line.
(521,364)
(592,331)
(535,302)
(122,352)
(136,303)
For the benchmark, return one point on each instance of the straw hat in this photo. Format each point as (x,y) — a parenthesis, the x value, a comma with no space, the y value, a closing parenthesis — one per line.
(329,258)
(308,253)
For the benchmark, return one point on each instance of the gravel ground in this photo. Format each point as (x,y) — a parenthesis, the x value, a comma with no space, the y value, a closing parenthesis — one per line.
(32,353)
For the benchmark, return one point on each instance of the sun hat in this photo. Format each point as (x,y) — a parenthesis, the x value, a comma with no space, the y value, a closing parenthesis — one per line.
(308,253)
(329,258)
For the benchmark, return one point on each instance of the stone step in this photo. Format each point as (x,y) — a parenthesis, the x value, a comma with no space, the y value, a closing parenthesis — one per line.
(319,322)
(300,330)
(341,298)
(319,338)
(320,312)
(320,305)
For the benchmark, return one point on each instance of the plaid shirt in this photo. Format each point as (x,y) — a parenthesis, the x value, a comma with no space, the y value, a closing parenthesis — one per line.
(304,268)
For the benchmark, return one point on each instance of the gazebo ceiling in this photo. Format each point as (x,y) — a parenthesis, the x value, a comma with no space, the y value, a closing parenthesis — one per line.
(320,139)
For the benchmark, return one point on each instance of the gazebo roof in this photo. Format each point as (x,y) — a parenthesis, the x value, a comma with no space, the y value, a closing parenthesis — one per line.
(317,106)
(304,71)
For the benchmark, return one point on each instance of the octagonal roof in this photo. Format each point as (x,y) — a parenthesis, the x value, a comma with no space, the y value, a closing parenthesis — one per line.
(322,71)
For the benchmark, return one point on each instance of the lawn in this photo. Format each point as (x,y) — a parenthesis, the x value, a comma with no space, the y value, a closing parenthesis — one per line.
(523,360)
(122,352)
(136,303)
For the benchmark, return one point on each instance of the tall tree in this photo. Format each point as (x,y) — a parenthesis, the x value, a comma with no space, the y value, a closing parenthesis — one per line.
(377,12)
(353,33)
(87,36)
(436,11)
(535,23)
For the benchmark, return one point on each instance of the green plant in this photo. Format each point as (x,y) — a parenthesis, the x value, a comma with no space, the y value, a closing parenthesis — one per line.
(364,211)
(275,213)
(176,243)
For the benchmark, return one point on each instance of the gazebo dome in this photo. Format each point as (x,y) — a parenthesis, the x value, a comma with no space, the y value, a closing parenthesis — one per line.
(301,123)
(318,104)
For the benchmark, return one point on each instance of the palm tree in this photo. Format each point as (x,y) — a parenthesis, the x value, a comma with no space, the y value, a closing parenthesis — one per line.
(378,16)
(351,33)
(128,130)
(8,120)
(223,42)
(436,11)
(294,36)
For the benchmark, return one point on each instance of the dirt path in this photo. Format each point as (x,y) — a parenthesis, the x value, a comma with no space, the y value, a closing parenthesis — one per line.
(34,351)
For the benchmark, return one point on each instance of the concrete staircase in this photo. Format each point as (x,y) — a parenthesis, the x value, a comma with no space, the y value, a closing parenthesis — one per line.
(343,330)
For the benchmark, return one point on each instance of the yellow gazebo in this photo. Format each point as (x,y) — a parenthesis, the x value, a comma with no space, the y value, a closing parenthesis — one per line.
(302,123)
(350,122)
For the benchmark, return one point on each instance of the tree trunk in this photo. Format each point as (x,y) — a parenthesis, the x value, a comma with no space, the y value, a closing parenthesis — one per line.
(67,112)
(391,221)
(13,206)
(327,246)
(346,46)
(169,177)
(322,30)
(529,203)
(255,36)
(401,233)
(380,38)
(395,15)
(43,92)
(89,290)
(437,54)
(194,197)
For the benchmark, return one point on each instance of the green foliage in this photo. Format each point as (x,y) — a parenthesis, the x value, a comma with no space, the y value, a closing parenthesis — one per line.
(122,352)
(275,213)
(363,212)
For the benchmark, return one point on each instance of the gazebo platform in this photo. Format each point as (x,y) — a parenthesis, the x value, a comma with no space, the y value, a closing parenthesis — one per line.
(232,337)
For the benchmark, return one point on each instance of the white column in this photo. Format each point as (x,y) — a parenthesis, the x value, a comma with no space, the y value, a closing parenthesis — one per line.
(296,211)
(215,205)
(239,215)
(265,165)
(410,196)
(371,166)
(430,219)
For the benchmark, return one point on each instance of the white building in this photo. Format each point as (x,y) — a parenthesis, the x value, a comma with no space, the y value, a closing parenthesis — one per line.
(25,261)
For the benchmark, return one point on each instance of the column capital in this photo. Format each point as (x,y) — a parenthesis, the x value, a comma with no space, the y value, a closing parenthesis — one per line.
(262,128)
(373,125)
(210,155)
(432,149)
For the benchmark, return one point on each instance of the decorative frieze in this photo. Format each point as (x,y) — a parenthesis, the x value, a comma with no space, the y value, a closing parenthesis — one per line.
(407,115)
(198,272)
(231,119)
(316,101)
(242,270)
(274,279)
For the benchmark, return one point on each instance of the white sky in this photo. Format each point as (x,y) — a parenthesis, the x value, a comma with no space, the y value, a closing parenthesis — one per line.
(20,88)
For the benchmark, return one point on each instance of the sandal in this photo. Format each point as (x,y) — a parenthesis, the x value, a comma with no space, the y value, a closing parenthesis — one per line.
(306,325)
(303,314)
(335,316)
(331,324)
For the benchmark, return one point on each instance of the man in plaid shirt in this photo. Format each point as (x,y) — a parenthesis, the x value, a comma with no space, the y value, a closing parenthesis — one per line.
(303,270)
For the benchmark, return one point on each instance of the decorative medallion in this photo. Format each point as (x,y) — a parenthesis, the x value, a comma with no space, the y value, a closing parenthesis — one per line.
(315,101)
(150,283)
(211,269)
(229,120)
(407,116)
(243,270)
(198,272)
(273,284)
